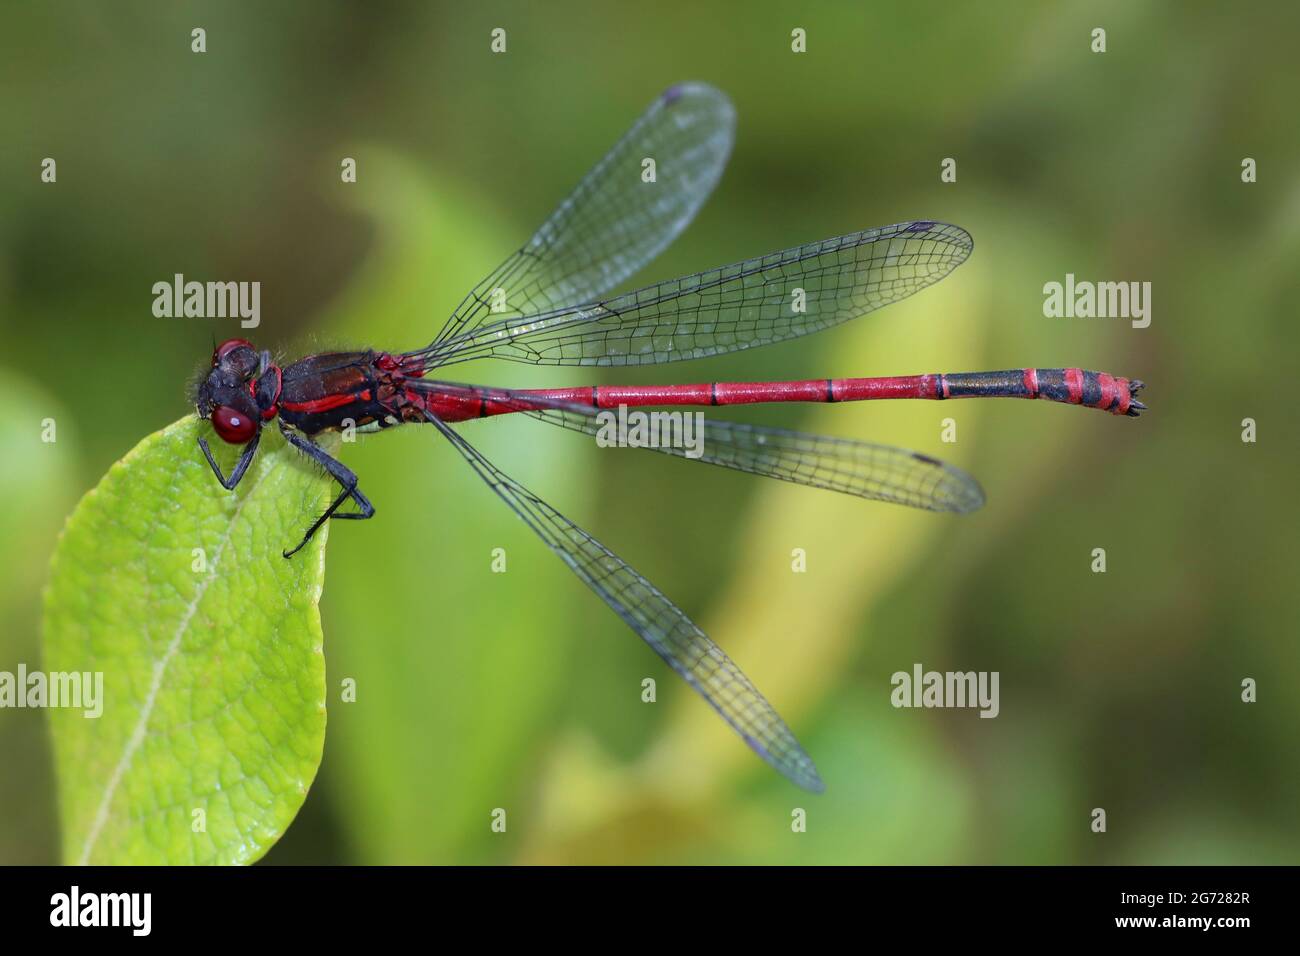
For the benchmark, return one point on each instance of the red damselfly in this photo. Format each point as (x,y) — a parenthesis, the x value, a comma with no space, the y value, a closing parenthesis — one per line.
(549,304)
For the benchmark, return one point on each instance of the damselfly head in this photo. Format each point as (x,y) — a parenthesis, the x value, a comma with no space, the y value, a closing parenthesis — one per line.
(224,395)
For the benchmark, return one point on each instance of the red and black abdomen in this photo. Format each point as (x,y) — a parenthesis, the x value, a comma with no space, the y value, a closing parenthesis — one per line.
(322,391)
(1070,386)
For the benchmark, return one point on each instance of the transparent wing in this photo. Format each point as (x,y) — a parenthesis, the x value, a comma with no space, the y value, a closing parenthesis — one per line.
(614,222)
(658,621)
(864,469)
(746,304)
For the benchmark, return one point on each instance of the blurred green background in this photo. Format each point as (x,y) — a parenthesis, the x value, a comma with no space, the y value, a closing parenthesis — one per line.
(521,690)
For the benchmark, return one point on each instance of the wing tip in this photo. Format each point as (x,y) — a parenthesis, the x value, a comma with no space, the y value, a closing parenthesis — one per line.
(700,90)
(813,782)
(678,90)
(675,92)
(971,498)
(956,236)
(791,762)
(803,773)
(964,493)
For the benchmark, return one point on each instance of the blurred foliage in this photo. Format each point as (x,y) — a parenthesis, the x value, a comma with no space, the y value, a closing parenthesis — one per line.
(520,690)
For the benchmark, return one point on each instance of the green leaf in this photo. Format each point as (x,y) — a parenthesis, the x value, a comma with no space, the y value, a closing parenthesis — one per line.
(209,643)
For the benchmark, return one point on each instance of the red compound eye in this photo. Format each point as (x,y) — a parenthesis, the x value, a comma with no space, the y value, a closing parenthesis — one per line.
(228,346)
(233,426)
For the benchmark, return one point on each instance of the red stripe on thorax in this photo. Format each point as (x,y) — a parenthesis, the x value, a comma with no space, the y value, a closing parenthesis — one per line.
(327,402)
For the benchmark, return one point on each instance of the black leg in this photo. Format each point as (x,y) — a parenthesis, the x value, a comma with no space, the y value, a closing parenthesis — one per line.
(340,473)
(241,466)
